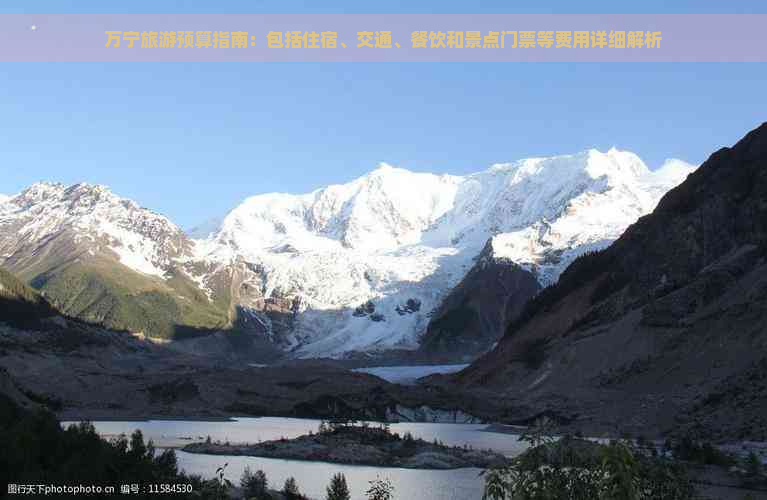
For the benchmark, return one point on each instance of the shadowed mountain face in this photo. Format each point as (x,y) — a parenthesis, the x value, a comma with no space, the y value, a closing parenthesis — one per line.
(475,313)
(666,328)
(20,305)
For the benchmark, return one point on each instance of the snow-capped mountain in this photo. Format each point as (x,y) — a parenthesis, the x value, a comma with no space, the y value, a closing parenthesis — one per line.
(359,266)
(93,220)
(103,258)
(580,203)
(351,267)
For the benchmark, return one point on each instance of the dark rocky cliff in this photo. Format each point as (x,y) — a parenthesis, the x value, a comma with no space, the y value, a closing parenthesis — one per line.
(665,330)
(476,312)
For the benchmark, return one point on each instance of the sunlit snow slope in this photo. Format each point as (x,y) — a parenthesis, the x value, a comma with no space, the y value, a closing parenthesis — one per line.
(359,266)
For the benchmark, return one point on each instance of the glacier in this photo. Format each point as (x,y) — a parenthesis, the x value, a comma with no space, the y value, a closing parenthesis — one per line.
(363,264)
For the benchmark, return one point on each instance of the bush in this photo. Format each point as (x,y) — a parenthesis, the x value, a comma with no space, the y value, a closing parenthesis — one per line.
(575,469)
(338,490)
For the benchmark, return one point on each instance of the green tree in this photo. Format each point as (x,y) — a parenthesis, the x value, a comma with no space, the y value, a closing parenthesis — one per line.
(34,446)
(338,490)
(290,489)
(254,484)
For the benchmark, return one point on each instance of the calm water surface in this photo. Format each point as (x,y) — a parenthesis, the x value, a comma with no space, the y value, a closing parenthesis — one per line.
(313,477)
(408,375)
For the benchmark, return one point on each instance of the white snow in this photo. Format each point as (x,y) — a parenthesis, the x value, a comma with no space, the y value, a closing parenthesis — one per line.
(94,218)
(206,229)
(134,250)
(394,235)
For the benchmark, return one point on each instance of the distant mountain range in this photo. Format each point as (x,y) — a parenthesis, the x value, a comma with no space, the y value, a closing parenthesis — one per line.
(371,265)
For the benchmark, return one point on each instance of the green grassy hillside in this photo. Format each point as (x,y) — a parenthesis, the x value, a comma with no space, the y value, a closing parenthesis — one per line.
(115,296)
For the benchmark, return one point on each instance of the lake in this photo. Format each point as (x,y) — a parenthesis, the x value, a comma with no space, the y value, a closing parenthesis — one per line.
(313,477)
(408,375)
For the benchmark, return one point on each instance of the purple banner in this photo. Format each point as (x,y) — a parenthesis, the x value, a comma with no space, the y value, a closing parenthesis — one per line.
(384,38)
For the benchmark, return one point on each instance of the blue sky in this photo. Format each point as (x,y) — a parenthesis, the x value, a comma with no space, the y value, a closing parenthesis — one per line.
(192,140)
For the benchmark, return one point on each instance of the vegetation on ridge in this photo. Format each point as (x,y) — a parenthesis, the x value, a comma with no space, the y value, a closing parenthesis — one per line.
(122,299)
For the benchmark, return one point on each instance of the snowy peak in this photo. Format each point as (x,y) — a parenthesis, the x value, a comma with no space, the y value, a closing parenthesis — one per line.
(582,203)
(384,209)
(391,207)
(671,173)
(617,163)
(513,196)
(353,255)
(96,220)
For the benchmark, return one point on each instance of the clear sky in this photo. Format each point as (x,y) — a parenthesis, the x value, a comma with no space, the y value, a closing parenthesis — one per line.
(192,140)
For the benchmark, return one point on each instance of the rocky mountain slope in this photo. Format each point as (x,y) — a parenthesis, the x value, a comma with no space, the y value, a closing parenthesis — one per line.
(364,266)
(665,330)
(104,259)
(475,312)
(84,371)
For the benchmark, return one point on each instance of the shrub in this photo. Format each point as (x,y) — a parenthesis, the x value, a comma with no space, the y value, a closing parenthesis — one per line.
(575,469)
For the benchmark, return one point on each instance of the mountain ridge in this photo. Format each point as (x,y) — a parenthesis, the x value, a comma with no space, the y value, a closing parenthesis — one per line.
(307,248)
(663,331)
(296,269)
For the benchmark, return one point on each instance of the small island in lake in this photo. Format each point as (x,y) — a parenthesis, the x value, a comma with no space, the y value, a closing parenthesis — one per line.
(347,442)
